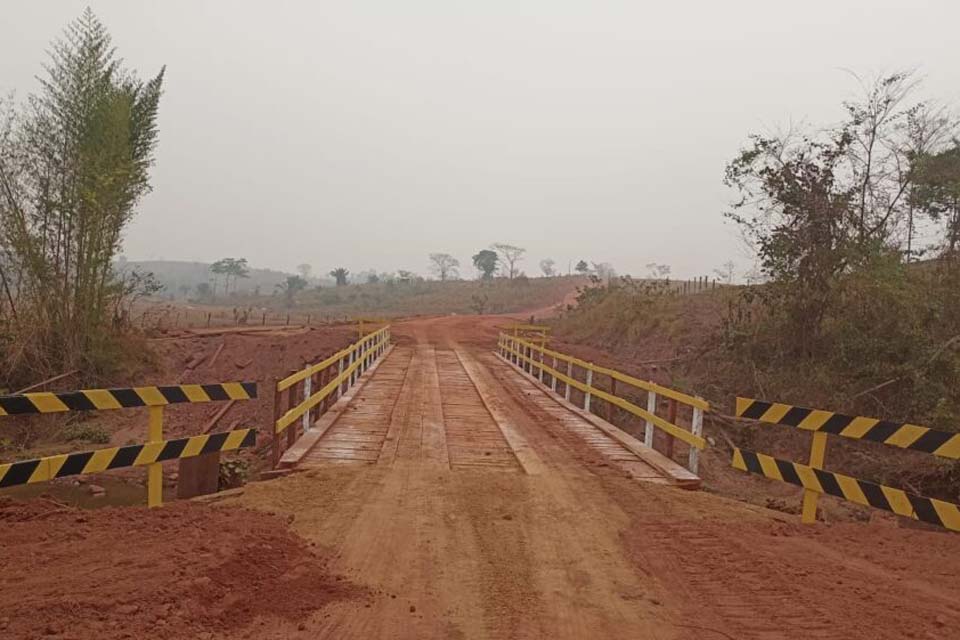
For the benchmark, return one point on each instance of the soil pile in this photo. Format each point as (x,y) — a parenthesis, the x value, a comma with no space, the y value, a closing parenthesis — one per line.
(183,571)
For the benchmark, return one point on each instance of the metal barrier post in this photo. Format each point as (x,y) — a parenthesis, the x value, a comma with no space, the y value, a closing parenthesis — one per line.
(648,428)
(818,450)
(696,427)
(586,395)
(566,390)
(155,471)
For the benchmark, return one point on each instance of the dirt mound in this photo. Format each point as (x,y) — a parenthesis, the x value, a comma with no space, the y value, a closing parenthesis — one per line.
(183,571)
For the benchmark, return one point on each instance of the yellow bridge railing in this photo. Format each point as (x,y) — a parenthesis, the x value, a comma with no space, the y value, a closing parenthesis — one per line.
(303,396)
(815,481)
(150,454)
(532,358)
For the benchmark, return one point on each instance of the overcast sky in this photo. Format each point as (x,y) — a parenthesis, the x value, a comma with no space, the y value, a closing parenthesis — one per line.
(369,134)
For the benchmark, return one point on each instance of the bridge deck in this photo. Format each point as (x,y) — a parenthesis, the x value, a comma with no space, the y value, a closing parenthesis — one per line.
(440,405)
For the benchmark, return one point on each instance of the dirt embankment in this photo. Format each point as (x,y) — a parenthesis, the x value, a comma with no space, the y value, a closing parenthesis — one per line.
(184,571)
(186,357)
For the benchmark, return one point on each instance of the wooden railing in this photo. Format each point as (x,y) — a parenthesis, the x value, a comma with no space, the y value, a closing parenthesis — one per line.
(303,396)
(545,365)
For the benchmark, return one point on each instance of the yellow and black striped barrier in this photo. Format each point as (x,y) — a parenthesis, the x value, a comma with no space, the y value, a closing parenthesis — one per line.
(816,482)
(127,398)
(897,434)
(861,492)
(51,467)
(150,454)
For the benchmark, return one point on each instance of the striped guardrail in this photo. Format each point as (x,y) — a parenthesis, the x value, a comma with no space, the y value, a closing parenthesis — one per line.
(854,490)
(150,454)
(137,455)
(897,434)
(816,482)
(125,398)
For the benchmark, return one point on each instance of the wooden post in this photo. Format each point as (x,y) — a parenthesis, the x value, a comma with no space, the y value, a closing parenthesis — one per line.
(208,318)
(696,427)
(648,427)
(818,451)
(263,319)
(307,391)
(293,393)
(277,412)
(613,392)
(155,470)
(323,377)
(553,378)
(672,419)
(587,396)
(566,390)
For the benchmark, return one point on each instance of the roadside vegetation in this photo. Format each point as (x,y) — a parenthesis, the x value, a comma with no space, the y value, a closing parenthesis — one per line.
(74,162)
(856,307)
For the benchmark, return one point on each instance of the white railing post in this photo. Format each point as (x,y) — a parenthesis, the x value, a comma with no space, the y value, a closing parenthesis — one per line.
(339,374)
(553,378)
(541,367)
(696,427)
(307,392)
(566,391)
(353,372)
(586,396)
(648,429)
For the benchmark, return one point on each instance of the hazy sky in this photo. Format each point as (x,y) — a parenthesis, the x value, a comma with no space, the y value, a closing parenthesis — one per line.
(369,134)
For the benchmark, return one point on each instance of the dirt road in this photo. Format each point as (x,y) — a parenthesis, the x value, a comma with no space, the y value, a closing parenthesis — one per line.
(453,500)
